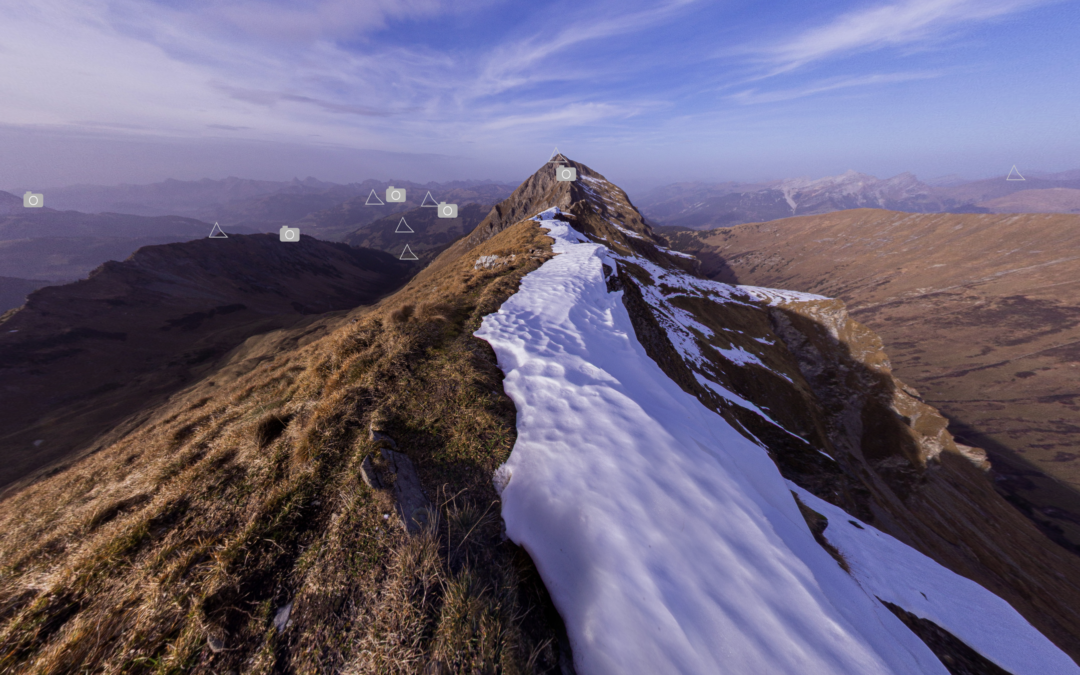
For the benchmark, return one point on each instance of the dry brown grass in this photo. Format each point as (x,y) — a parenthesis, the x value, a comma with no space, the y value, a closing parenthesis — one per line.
(245,496)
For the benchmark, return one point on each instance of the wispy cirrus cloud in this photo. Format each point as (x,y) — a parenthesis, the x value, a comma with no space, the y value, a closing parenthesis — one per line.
(883,25)
(755,96)
(566,113)
(524,62)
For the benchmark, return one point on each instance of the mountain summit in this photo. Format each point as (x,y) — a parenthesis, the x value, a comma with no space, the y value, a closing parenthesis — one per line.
(557,449)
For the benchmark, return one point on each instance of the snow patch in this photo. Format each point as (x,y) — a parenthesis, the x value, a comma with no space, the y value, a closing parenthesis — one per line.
(775,296)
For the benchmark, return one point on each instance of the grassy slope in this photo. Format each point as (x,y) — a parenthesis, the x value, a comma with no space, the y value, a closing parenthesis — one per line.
(196,528)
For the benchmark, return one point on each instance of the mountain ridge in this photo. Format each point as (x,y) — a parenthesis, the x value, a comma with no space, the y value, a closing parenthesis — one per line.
(280,492)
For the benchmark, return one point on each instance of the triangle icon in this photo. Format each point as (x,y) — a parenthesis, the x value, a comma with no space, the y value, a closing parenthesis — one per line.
(407,254)
(426,198)
(217,233)
(377,202)
(1015,175)
(403,228)
(554,153)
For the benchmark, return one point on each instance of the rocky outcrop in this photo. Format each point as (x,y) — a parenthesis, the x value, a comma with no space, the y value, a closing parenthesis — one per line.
(542,191)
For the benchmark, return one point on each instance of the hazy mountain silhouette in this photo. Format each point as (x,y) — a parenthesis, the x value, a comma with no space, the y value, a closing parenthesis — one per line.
(705,206)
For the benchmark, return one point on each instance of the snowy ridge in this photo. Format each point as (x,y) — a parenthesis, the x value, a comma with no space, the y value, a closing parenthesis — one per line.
(669,542)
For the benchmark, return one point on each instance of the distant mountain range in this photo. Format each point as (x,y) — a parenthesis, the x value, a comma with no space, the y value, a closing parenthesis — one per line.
(701,206)
(83,226)
(239,201)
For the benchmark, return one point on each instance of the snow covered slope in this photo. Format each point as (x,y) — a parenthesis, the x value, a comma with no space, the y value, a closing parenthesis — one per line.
(898,574)
(670,543)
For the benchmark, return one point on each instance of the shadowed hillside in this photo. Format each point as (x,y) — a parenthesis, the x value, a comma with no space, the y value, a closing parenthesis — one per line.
(78,359)
(981,313)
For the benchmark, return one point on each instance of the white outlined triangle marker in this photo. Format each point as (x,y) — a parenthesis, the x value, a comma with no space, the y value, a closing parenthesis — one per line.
(403,228)
(555,153)
(433,203)
(217,233)
(377,202)
(1015,175)
(407,254)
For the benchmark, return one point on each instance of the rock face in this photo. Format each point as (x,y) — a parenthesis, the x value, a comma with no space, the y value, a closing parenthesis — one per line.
(413,508)
(542,191)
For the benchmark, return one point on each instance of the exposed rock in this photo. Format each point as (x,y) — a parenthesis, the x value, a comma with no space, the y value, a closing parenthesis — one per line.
(281,618)
(488,262)
(413,508)
(977,456)
(368,474)
(956,656)
(216,644)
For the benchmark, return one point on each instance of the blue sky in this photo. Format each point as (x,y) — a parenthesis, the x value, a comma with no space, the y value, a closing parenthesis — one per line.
(646,92)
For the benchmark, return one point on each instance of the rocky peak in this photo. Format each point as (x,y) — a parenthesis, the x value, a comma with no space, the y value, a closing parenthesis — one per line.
(542,191)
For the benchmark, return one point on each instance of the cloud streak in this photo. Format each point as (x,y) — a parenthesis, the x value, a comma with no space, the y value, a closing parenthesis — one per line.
(889,25)
(753,96)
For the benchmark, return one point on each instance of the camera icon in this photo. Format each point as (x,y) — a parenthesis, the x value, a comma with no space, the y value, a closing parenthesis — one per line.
(447,210)
(33,200)
(287,233)
(394,194)
(565,174)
